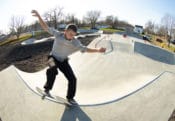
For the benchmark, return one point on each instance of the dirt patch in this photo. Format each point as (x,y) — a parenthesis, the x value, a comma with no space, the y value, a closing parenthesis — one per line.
(29,58)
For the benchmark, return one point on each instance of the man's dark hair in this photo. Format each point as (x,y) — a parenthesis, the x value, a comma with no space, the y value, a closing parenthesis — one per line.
(72,27)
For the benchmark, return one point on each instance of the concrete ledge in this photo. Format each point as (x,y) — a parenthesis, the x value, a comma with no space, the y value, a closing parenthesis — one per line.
(154,53)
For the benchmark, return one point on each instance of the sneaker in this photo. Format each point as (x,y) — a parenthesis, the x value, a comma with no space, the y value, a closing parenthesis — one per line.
(72,101)
(46,91)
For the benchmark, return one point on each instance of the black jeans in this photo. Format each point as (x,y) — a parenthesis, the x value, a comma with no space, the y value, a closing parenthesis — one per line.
(66,69)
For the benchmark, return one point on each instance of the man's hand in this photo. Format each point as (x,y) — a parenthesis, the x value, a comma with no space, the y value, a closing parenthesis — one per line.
(102,50)
(41,21)
(35,13)
(93,50)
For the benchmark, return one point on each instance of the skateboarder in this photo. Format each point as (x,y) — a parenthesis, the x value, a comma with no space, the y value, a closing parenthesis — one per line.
(64,45)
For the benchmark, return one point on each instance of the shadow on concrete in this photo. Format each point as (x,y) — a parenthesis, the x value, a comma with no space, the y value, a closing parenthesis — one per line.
(155,53)
(74,113)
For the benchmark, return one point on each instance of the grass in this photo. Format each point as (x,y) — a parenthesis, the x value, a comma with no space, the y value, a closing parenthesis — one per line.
(164,44)
(109,30)
(13,40)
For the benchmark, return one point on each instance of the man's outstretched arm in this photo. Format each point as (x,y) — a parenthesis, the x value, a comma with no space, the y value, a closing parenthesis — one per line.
(92,50)
(41,21)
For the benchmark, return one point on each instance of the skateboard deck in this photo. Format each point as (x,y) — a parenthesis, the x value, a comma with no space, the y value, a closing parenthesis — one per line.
(51,97)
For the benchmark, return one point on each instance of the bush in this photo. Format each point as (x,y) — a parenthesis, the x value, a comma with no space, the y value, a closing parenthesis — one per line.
(159,40)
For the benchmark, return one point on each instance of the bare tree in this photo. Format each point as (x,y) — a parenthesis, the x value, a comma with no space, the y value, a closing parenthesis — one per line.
(1,32)
(35,26)
(149,27)
(112,21)
(161,31)
(57,13)
(173,34)
(70,18)
(17,25)
(92,17)
(53,16)
(124,24)
(83,23)
(168,22)
(48,17)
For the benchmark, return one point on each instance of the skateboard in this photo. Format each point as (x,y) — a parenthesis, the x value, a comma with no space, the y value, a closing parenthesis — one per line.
(51,97)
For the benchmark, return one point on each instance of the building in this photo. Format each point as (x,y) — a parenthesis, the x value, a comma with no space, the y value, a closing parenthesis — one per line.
(138,29)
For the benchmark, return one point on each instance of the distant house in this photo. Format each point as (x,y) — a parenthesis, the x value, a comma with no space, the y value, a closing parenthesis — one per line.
(138,29)
(61,26)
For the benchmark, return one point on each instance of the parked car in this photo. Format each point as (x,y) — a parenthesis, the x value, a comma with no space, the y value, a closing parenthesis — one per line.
(173,41)
(146,37)
(2,37)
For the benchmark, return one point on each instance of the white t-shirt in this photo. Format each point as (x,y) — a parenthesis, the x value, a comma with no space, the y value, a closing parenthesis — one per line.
(62,48)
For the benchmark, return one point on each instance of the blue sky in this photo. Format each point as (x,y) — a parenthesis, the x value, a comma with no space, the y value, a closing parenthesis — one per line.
(132,11)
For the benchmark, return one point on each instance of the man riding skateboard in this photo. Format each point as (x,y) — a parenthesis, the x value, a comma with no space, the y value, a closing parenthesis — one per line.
(64,45)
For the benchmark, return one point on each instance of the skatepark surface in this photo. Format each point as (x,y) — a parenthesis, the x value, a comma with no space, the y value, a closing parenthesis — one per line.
(132,81)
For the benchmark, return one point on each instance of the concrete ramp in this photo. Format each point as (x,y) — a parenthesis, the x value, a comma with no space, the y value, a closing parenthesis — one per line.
(107,77)
(153,102)
(118,85)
